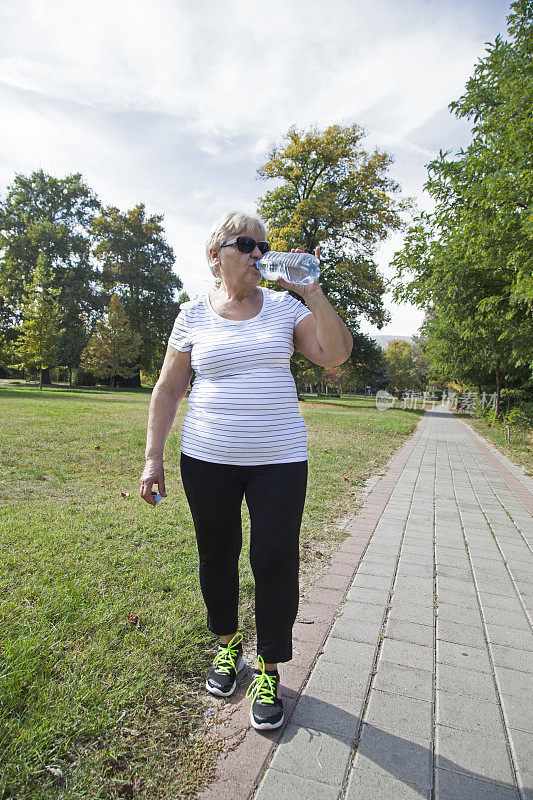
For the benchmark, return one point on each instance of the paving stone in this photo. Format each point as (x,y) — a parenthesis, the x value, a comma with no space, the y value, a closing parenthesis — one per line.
(397,756)
(511,637)
(461,600)
(465,681)
(450,586)
(514,618)
(461,655)
(361,594)
(469,714)
(517,713)
(407,654)
(421,614)
(357,630)
(313,755)
(522,743)
(456,573)
(455,786)
(368,581)
(419,570)
(349,653)
(363,612)
(367,785)
(410,632)
(349,680)
(512,658)
(499,601)
(280,786)
(416,559)
(514,682)
(381,570)
(408,681)
(472,753)
(329,712)
(417,585)
(461,633)
(448,612)
(400,714)
(413,597)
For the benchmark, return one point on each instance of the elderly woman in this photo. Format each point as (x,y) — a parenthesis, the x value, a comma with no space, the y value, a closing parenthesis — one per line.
(243,436)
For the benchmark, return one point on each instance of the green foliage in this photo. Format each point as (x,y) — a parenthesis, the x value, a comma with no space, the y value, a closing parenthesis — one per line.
(36,347)
(114,348)
(406,366)
(366,364)
(43,215)
(471,260)
(137,264)
(334,194)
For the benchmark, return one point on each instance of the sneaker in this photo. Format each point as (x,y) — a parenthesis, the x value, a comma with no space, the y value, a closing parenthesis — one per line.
(222,677)
(267,708)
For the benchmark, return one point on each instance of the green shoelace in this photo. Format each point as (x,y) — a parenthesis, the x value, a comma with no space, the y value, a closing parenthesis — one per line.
(224,660)
(263,687)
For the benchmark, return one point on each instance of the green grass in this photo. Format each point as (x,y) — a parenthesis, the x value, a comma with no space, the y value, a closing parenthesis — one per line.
(519,448)
(114,706)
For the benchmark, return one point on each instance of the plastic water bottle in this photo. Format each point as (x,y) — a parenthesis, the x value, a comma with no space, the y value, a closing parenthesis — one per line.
(301,268)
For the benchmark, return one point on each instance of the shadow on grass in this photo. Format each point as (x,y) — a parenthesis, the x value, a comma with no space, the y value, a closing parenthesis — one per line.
(99,394)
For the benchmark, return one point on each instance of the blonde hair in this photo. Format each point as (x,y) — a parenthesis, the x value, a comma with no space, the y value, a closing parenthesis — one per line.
(231,224)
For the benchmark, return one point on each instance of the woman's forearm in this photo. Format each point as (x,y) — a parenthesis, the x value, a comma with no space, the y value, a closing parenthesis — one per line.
(332,334)
(163,407)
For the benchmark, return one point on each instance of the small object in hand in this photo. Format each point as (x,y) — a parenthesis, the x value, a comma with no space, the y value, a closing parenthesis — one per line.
(158,497)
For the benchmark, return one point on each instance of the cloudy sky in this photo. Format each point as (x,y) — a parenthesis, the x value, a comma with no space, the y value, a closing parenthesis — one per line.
(176,103)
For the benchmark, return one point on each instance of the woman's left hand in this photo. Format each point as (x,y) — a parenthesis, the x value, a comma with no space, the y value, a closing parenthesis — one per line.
(304,290)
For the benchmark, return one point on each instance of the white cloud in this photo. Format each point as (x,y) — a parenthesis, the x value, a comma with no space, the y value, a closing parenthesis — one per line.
(176,103)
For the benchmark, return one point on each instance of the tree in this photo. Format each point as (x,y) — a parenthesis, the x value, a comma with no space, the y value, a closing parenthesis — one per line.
(334,194)
(137,265)
(472,258)
(114,347)
(404,371)
(50,216)
(36,347)
(366,365)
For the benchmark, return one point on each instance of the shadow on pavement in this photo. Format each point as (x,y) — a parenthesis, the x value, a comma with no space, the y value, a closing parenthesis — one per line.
(391,754)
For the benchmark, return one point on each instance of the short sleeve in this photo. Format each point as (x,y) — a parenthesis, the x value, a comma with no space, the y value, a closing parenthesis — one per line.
(298,309)
(180,338)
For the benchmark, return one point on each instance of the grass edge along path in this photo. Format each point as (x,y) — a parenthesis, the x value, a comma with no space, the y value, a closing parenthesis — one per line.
(102,627)
(519,448)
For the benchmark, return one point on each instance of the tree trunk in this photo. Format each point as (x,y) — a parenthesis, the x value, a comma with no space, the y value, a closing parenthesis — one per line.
(70,376)
(44,379)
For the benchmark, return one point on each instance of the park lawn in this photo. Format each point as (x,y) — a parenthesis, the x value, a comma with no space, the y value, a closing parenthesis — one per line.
(519,449)
(103,643)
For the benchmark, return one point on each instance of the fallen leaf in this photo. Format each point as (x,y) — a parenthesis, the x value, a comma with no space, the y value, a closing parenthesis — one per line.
(133,619)
(124,494)
(97,447)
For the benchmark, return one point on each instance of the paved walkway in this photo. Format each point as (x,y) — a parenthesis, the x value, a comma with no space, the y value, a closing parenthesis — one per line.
(422,688)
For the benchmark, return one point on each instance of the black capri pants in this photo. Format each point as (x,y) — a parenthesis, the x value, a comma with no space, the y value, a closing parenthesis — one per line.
(275,496)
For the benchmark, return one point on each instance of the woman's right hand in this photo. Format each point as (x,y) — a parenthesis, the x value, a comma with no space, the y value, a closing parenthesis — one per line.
(153,473)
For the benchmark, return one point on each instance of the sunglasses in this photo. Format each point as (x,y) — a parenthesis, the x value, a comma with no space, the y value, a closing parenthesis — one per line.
(245,244)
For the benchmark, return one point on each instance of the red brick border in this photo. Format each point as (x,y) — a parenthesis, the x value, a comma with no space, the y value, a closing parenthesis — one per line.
(239,770)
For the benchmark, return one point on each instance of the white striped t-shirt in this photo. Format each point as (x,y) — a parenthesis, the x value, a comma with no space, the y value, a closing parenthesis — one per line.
(243,407)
